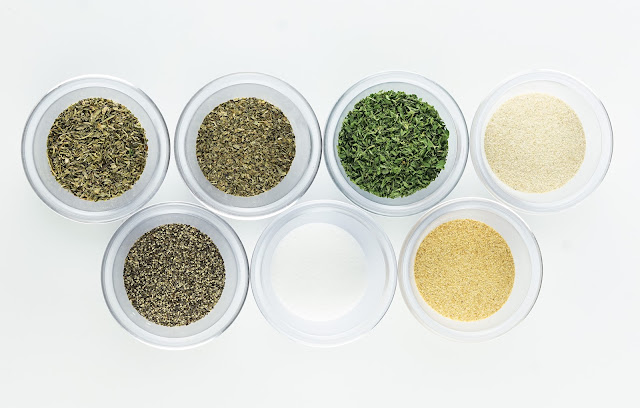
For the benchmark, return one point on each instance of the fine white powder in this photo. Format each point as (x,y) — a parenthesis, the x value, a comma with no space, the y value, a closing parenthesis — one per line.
(319,271)
(535,143)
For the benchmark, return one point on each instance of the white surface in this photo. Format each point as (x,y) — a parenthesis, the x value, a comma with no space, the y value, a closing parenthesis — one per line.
(319,271)
(580,346)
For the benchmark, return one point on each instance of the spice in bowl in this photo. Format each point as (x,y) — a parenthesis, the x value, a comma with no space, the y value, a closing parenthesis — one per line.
(535,143)
(393,144)
(97,149)
(174,275)
(245,146)
(464,270)
(319,271)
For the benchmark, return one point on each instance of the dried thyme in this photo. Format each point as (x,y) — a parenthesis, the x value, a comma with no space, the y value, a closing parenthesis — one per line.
(174,275)
(97,149)
(392,144)
(245,146)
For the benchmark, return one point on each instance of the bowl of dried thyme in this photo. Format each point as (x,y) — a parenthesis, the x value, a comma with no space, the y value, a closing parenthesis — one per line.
(95,149)
(396,143)
(248,145)
(175,275)
(470,269)
(541,141)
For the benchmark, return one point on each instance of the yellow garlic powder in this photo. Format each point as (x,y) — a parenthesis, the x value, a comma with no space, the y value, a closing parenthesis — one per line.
(464,270)
(535,143)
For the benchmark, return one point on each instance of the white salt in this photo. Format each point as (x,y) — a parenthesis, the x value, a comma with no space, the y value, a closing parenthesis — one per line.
(319,271)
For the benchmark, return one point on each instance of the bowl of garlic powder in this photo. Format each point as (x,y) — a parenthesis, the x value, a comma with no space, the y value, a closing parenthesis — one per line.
(541,141)
(470,269)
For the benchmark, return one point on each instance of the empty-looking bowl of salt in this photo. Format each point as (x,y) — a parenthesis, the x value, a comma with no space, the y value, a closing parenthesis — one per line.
(323,273)
(541,141)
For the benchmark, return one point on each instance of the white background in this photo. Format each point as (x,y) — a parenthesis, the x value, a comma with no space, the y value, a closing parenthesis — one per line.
(59,346)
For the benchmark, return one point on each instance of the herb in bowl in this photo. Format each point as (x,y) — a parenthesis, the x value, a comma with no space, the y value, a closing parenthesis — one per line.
(392,144)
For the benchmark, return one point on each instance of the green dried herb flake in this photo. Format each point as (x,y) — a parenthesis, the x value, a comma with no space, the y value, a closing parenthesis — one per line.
(392,144)
(97,149)
(245,146)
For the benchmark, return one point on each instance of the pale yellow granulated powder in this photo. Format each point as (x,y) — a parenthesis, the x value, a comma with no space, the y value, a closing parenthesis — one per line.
(535,143)
(464,270)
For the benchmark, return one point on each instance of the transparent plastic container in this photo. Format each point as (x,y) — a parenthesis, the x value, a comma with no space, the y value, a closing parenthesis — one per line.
(36,162)
(223,313)
(526,256)
(305,128)
(381,275)
(450,113)
(597,128)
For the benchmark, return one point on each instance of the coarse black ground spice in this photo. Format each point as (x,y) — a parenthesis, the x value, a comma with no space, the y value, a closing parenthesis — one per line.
(245,146)
(97,149)
(174,275)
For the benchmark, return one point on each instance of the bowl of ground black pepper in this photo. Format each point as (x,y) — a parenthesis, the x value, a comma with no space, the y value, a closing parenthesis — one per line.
(248,145)
(470,269)
(95,149)
(175,275)
(396,143)
(541,141)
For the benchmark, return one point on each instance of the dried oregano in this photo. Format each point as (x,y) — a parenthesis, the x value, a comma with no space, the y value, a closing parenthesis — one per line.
(97,149)
(392,144)
(245,146)
(174,275)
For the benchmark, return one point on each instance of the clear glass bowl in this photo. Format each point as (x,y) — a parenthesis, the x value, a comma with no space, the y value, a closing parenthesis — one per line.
(381,275)
(233,294)
(36,163)
(526,255)
(597,128)
(450,113)
(305,128)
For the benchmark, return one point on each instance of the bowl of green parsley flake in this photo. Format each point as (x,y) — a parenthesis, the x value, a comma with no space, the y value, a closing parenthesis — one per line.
(396,143)
(95,149)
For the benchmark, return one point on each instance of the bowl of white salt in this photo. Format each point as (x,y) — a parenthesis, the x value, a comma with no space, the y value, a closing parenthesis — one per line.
(541,141)
(323,273)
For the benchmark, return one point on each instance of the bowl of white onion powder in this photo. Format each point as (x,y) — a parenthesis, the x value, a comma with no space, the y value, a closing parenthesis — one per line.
(541,141)
(323,273)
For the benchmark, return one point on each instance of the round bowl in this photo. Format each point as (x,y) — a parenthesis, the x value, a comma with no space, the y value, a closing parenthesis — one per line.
(305,128)
(598,134)
(450,113)
(36,163)
(526,256)
(380,275)
(233,294)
